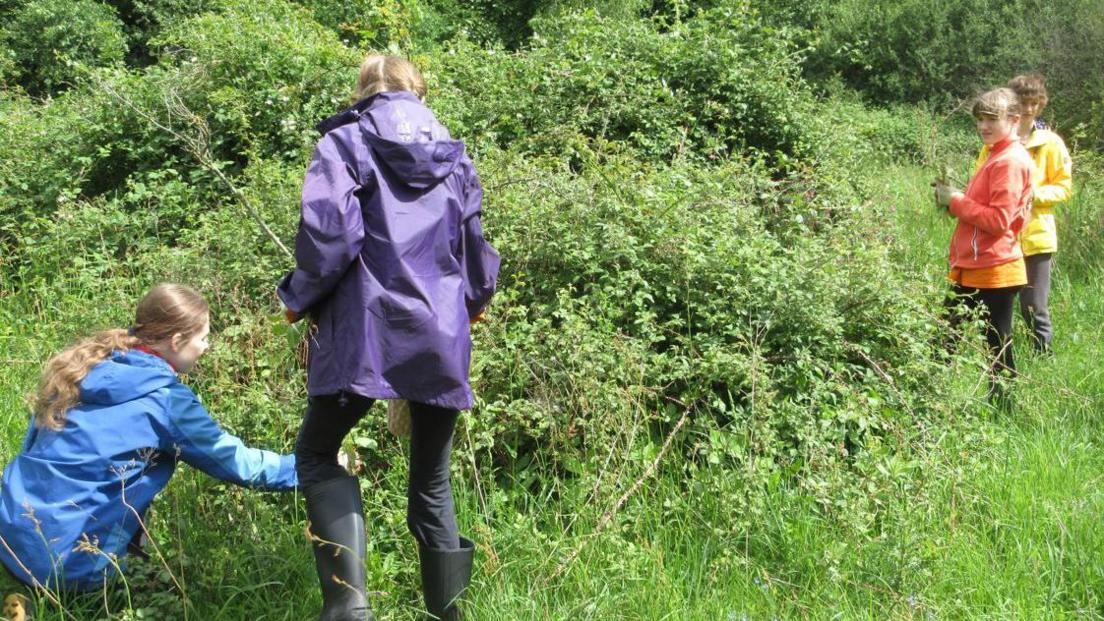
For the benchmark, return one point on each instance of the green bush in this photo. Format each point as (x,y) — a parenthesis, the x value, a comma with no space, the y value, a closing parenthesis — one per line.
(143,19)
(1072,36)
(920,51)
(916,51)
(47,37)
(376,24)
(233,86)
(111,148)
(264,74)
(721,85)
(9,69)
(632,290)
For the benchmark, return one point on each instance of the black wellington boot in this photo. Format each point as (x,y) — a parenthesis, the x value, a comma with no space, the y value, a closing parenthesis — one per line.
(445,575)
(339,541)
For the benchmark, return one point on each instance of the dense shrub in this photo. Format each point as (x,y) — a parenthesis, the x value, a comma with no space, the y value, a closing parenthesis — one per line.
(1072,38)
(46,37)
(143,19)
(911,51)
(265,72)
(229,88)
(371,23)
(915,50)
(9,69)
(630,290)
(95,141)
(720,85)
(422,24)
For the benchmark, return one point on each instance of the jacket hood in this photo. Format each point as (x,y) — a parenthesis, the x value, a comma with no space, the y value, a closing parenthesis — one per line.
(125,376)
(404,136)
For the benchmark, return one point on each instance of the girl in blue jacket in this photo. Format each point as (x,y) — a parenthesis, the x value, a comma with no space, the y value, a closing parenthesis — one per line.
(111,420)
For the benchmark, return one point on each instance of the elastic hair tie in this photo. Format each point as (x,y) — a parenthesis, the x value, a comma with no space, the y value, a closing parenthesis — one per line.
(132,330)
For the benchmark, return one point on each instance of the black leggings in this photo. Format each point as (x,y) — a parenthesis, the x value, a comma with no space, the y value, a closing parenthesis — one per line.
(998,304)
(430,512)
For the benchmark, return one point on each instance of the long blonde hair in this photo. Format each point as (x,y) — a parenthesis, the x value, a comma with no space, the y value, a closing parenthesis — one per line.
(380,73)
(165,311)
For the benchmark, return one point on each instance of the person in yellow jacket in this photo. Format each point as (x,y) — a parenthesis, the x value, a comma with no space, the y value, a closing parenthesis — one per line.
(1052,181)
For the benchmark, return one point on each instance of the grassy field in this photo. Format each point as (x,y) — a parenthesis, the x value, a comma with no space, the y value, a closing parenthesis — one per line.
(999,523)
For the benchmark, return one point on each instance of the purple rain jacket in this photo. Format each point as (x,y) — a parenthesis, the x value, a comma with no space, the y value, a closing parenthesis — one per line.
(390,258)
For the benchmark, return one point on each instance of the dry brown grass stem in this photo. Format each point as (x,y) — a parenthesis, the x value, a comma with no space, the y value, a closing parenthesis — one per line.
(607,517)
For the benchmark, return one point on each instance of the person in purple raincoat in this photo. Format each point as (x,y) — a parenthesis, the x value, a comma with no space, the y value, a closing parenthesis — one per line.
(391,267)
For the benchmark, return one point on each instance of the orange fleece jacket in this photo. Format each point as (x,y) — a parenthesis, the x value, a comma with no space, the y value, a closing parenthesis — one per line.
(993,209)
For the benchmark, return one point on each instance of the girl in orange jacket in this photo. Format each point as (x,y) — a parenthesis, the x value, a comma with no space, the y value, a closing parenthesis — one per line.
(987,265)
(1053,184)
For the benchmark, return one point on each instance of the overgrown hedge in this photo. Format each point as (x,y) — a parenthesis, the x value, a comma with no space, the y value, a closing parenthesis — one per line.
(681,224)
(917,51)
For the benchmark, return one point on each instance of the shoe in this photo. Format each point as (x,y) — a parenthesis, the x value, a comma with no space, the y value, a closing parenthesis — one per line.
(445,575)
(337,535)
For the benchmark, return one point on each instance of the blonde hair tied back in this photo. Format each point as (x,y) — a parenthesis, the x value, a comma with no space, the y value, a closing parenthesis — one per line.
(380,73)
(165,311)
(999,102)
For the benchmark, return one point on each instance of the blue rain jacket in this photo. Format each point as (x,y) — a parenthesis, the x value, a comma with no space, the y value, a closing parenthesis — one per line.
(90,481)
(391,262)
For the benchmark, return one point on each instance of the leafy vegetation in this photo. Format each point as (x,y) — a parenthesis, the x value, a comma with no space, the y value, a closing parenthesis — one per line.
(712,383)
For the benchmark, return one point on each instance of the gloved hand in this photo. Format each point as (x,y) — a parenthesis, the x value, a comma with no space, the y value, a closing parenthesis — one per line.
(944,193)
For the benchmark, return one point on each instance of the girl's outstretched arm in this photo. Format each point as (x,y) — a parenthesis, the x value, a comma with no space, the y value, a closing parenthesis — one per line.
(202,444)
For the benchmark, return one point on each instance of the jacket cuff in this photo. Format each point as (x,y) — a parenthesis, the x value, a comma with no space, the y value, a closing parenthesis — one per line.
(956,203)
(288,478)
(283,291)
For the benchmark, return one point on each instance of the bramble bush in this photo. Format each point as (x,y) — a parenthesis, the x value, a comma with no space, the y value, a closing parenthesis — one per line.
(226,83)
(144,19)
(720,85)
(46,38)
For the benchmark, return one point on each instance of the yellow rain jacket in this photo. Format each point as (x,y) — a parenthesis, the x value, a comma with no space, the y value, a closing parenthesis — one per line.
(1053,183)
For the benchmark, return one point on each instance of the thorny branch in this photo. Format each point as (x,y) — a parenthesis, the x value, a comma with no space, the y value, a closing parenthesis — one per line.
(197,143)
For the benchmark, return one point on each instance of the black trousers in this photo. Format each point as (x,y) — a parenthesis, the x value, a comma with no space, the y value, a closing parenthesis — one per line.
(430,512)
(998,306)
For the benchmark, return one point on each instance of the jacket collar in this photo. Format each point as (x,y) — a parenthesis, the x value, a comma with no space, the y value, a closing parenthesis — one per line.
(1000,146)
(352,113)
(1037,138)
(148,350)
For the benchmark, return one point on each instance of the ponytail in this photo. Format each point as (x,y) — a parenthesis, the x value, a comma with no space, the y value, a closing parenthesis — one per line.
(59,388)
(380,73)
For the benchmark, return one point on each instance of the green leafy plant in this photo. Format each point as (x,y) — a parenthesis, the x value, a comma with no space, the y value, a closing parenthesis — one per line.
(48,37)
